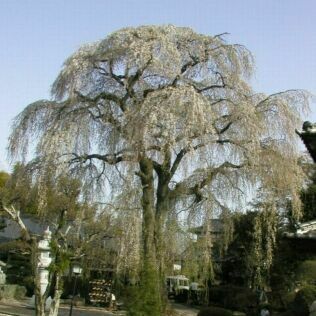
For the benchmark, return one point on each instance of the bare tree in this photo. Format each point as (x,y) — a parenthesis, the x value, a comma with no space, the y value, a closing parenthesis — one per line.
(170,112)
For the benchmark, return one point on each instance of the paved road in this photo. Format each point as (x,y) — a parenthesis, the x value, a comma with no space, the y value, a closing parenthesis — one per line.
(63,311)
(22,310)
(184,310)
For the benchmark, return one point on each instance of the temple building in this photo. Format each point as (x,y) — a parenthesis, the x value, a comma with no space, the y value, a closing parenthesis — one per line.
(304,238)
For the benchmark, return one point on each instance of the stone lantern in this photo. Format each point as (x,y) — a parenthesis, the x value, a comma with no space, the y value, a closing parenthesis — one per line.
(44,259)
(2,274)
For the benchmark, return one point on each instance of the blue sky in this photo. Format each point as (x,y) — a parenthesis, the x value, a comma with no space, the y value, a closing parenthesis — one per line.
(36,36)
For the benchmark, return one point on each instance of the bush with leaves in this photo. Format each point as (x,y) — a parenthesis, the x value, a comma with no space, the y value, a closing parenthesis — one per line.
(303,300)
(233,297)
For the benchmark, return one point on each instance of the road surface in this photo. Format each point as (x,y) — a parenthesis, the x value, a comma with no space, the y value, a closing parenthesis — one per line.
(22,310)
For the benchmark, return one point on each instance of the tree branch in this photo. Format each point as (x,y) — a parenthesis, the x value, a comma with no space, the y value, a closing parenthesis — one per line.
(160,88)
(220,35)
(131,81)
(114,76)
(181,188)
(222,85)
(225,128)
(177,161)
(15,216)
(180,156)
(103,96)
(193,62)
(111,159)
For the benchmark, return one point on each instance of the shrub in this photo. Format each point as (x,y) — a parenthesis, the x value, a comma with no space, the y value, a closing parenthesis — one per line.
(20,292)
(307,271)
(233,297)
(10,291)
(303,299)
(215,311)
(28,282)
(281,300)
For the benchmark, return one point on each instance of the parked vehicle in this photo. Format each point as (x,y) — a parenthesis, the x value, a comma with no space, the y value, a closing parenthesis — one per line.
(178,287)
(197,293)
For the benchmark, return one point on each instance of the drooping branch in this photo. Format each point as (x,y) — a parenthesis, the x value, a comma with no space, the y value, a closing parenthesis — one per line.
(159,88)
(180,156)
(190,64)
(222,85)
(225,128)
(111,159)
(177,161)
(117,78)
(208,175)
(274,95)
(98,112)
(221,35)
(103,96)
(132,80)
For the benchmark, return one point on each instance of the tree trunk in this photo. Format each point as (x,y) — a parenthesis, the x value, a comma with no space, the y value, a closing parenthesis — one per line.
(39,298)
(39,302)
(150,299)
(162,207)
(57,293)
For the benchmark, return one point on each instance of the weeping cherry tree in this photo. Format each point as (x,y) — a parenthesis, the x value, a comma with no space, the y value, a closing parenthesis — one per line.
(171,113)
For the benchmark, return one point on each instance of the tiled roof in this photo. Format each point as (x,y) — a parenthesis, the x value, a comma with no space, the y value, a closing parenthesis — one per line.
(216,227)
(12,230)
